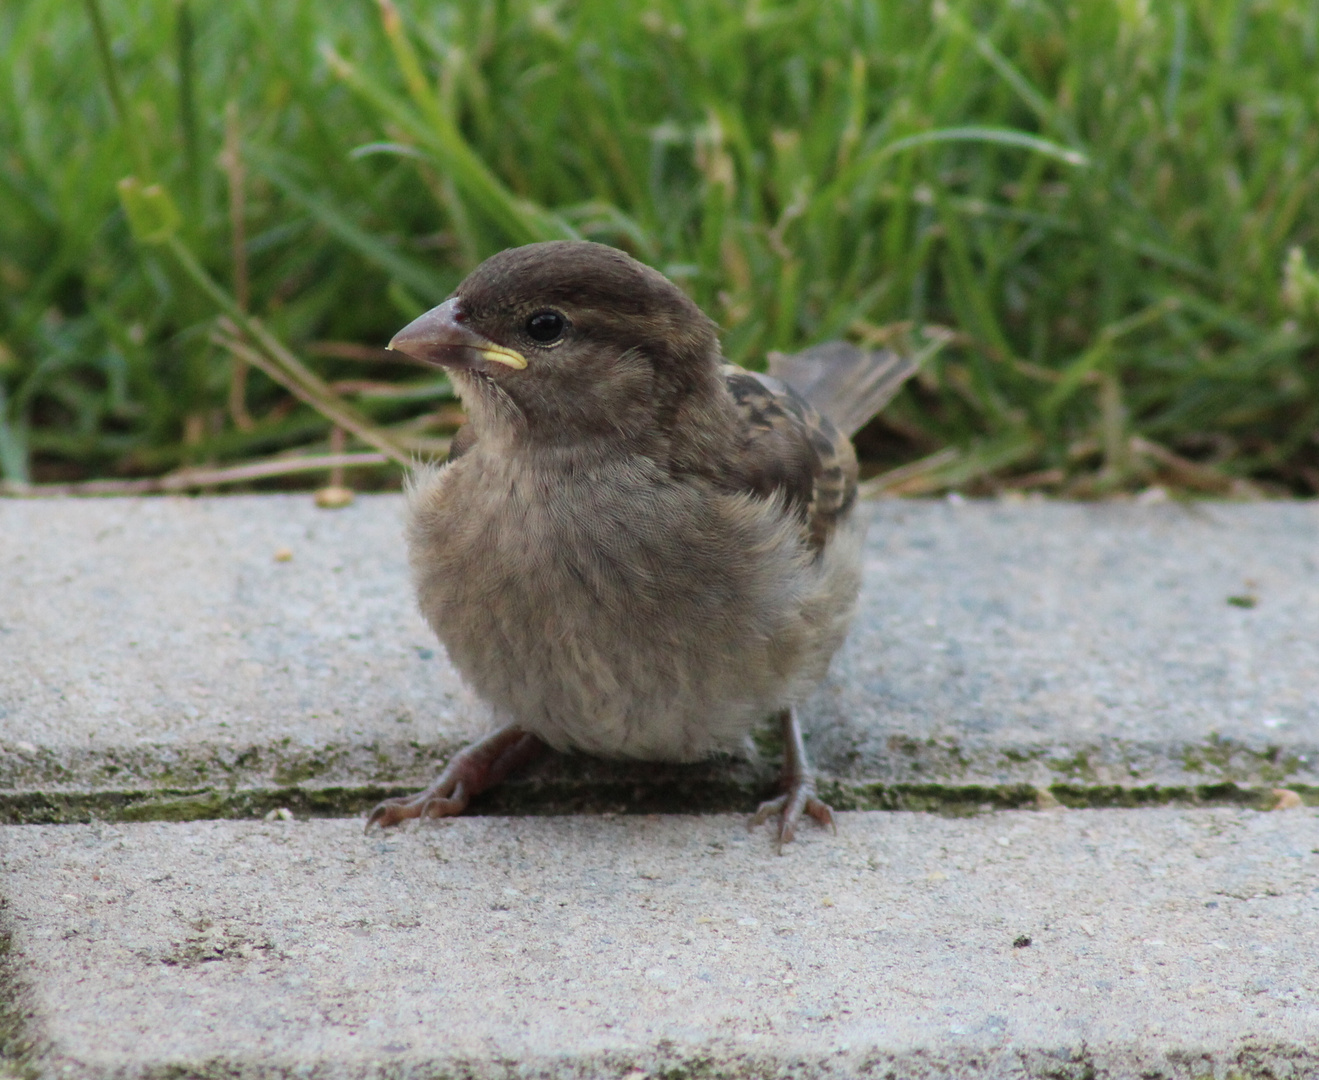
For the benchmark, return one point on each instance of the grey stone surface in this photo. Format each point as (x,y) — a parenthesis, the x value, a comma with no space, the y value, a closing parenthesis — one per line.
(1097,643)
(1169,943)
(159,642)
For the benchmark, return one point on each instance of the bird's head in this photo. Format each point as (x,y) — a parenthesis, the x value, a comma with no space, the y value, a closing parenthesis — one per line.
(568,342)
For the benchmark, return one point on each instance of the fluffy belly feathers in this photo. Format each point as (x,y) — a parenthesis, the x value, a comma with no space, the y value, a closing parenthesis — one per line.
(659,620)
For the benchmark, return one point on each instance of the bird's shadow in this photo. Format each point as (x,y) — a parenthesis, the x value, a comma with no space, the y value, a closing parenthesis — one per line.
(562,783)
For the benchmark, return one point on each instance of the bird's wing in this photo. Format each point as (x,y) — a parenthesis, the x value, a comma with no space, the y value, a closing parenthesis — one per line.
(847,383)
(788,449)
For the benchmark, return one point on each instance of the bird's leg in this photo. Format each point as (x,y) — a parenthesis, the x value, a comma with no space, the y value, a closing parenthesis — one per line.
(469,772)
(798,786)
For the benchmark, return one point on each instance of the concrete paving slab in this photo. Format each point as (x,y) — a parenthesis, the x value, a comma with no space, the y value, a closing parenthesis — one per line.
(1168,943)
(255,643)
(1099,643)
(215,641)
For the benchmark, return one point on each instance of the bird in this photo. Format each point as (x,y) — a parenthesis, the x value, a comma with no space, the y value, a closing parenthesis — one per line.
(634,549)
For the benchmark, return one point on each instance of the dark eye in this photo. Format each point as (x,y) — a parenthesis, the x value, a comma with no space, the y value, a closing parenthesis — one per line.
(546,326)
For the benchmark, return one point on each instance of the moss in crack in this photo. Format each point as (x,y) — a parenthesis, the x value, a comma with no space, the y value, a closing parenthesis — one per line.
(207,764)
(1260,1060)
(16,1044)
(39,808)
(955,799)
(1076,767)
(702,1068)
(943,757)
(1115,796)
(1234,760)
(300,770)
(1281,766)
(185,774)
(1080,1066)
(593,787)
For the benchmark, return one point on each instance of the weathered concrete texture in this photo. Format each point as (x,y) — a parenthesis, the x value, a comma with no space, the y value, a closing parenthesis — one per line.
(1161,943)
(1101,643)
(159,643)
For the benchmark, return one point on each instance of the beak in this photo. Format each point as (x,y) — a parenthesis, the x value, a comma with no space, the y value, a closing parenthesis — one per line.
(439,337)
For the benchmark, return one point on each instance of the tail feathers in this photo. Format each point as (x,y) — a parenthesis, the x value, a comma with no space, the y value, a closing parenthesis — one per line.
(845,382)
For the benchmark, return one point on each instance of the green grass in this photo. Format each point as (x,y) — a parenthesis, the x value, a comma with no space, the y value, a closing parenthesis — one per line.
(1094,217)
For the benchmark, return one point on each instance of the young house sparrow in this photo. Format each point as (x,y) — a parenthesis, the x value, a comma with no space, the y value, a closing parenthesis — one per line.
(634,549)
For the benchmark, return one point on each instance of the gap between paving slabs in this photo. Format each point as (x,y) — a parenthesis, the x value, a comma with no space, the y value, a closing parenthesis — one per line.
(40,788)
(713,787)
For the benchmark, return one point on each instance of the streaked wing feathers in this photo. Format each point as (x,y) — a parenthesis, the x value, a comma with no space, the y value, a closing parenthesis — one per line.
(789,449)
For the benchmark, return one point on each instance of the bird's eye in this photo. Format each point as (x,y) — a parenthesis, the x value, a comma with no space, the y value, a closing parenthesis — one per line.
(546,326)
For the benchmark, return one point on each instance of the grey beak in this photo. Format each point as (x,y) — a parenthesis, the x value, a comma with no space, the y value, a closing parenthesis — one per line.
(440,337)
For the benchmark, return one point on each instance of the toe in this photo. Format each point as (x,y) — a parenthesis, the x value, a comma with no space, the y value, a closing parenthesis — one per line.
(438,806)
(822,812)
(444,798)
(390,812)
(766,810)
(799,799)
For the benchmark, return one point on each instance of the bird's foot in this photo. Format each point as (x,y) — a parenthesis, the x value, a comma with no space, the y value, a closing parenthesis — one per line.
(798,787)
(446,797)
(469,772)
(798,799)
